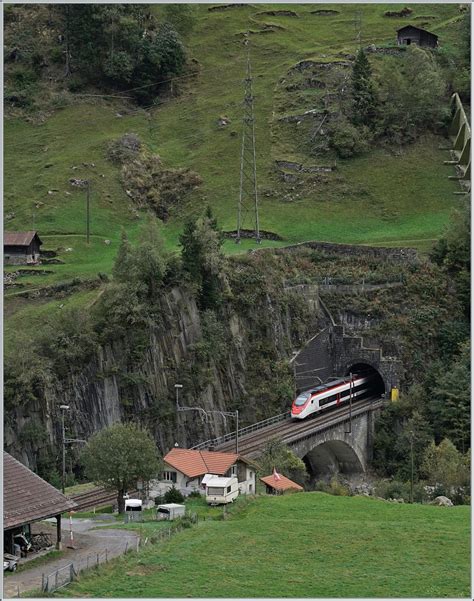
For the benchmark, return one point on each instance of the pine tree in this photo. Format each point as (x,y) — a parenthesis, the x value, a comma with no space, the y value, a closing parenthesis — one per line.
(364,101)
(191,253)
(202,259)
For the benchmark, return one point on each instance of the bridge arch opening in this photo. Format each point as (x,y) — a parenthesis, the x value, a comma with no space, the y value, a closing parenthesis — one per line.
(332,457)
(377,384)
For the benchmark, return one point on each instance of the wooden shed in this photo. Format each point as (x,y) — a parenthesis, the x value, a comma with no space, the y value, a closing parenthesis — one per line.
(277,484)
(20,248)
(27,498)
(415,35)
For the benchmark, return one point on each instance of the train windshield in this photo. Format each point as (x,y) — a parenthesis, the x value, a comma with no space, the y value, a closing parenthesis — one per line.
(303,397)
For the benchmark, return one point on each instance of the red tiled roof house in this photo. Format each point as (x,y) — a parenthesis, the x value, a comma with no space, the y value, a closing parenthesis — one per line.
(185,469)
(21,248)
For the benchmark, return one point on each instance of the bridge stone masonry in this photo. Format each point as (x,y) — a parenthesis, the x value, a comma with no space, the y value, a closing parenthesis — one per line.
(345,447)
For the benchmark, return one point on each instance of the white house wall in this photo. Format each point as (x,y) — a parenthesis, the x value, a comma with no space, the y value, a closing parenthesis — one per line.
(187,486)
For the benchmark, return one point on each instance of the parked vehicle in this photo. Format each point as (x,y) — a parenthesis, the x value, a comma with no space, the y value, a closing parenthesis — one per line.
(10,562)
(220,491)
(170,511)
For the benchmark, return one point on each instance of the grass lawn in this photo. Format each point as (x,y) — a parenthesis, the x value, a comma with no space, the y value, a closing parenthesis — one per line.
(304,545)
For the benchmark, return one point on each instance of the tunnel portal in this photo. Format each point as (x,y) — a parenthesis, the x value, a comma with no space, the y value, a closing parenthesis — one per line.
(378,387)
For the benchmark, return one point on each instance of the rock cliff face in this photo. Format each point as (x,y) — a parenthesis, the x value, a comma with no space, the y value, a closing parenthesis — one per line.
(224,375)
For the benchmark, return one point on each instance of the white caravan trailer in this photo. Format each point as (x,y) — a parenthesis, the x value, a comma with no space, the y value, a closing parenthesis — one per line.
(221,490)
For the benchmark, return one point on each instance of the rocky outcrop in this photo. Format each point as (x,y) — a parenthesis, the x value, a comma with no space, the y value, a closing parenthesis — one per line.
(442,501)
(116,386)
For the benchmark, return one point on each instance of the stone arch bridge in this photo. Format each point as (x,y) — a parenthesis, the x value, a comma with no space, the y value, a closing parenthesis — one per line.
(339,440)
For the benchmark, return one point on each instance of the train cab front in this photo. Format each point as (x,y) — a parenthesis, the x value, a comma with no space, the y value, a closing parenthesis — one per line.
(299,405)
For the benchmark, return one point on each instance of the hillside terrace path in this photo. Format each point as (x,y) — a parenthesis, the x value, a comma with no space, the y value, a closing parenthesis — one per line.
(88,543)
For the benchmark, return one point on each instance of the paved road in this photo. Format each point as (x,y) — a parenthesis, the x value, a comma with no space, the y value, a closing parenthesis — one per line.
(88,543)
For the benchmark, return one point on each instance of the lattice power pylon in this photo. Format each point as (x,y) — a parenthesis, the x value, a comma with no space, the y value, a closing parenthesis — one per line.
(248,195)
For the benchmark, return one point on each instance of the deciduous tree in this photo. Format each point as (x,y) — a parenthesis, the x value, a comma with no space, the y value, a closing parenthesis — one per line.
(445,465)
(120,455)
(276,455)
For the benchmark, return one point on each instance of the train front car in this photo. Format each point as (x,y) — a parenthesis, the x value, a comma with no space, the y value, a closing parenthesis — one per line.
(330,394)
(301,406)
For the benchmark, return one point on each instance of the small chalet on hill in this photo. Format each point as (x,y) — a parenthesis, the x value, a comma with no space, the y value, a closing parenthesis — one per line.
(27,499)
(21,248)
(185,470)
(414,35)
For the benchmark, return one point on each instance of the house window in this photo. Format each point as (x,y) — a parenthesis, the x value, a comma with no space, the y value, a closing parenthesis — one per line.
(169,476)
(233,470)
(250,488)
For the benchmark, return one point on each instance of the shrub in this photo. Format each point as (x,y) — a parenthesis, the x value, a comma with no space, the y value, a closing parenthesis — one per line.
(348,140)
(195,495)
(124,149)
(396,489)
(338,488)
(173,496)
(159,500)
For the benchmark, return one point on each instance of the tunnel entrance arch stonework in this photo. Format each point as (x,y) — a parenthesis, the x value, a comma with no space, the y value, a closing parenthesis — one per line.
(331,352)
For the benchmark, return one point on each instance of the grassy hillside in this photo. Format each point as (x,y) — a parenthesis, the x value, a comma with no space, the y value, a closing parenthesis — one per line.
(383,198)
(388,196)
(305,545)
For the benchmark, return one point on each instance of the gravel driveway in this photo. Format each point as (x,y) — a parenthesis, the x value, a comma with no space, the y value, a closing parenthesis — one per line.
(88,543)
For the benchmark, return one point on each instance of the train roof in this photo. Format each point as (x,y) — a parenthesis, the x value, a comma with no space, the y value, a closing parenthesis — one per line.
(330,383)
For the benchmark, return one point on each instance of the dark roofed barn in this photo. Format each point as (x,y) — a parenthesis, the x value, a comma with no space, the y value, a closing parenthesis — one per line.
(21,248)
(414,35)
(27,498)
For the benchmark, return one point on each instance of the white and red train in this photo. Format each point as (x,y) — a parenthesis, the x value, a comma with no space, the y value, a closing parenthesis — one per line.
(330,394)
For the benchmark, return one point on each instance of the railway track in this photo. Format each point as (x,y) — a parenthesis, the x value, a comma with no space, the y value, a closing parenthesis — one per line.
(98,497)
(288,430)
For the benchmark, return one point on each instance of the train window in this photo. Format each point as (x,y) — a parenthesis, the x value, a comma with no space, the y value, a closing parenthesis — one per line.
(327,400)
(303,397)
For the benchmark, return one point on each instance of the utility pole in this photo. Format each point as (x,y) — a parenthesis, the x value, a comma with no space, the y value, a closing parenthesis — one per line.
(236,431)
(248,194)
(349,431)
(412,434)
(63,476)
(358,27)
(88,202)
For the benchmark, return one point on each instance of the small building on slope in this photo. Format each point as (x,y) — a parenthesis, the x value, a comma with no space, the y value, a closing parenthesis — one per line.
(21,248)
(277,484)
(27,499)
(185,469)
(415,35)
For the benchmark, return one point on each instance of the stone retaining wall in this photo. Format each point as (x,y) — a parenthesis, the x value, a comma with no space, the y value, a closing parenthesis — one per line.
(396,254)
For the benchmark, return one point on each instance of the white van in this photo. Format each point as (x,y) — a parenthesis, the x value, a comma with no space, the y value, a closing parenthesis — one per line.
(221,490)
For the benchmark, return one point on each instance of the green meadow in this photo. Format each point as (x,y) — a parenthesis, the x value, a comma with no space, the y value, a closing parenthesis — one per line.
(303,545)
